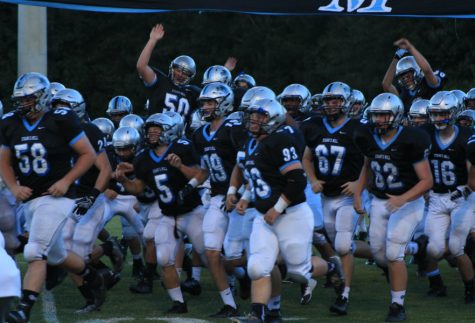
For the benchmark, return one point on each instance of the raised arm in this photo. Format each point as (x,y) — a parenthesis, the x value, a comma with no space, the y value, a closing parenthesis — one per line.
(145,71)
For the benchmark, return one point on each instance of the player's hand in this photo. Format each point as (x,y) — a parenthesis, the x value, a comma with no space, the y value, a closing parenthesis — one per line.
(241,206)
(357,205)
(125,167)
(174,160)
(403,43)
(231,200)
(270,216)
(59,188)
(317,186)
(231,63)
(183,193)
(400,53)
(22,193)
(110,194)
(394,202)
(137,207)
(460,192)
(349,188)
(157,33)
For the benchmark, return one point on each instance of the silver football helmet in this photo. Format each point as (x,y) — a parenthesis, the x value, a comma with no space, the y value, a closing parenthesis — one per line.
(126,137)
(461,95)
(470,99)
(55,87)
(106,126)
(119,105)
(31,94)
(405,66)
(245,81)
(299,92)
(442,109)
(385,104)
(196,121)
(418,114)
(72,99)
(466,118)
(222,95)
(316,101)
(273,112)
(217,73)
(169,129)
(134,121)
(340,91)
(358,104)
(178,119)
(254,94)
(186,65)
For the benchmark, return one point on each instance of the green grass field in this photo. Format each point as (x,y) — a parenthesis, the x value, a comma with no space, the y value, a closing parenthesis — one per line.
(369,300)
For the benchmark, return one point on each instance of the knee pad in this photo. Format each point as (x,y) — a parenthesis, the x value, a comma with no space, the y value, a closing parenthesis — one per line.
(150,228)
(379,256)
(298,262)
(164,246)
(343,243)
(34,251)
(233,249)
(435,250)
(395,251)
(57,255)
(457,246)
(256,269)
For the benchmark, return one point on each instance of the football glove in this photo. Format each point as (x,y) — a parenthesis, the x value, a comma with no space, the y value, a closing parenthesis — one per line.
(84,203)
(183,193)
(400,53)
(460,192)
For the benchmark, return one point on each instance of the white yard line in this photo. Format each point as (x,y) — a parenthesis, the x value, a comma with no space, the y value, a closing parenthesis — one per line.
(49,307)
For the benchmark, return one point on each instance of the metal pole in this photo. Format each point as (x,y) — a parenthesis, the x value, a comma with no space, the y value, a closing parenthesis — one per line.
(32,40)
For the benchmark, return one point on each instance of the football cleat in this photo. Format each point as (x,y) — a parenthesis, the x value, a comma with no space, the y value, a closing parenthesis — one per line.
(437,291)
(143,286)
(137,268)
(98,289)
(191,286)
(307,291)
(19,316)
(396,313)
(340,306)
(177,308)
(117,256)
(226,311)
(273,316)
(88,308)
(250,318)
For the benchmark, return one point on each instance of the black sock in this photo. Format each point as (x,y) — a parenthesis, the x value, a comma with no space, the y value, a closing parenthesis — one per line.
(87,294)
(259,310)
(89,274)
(100,265)
(150,270)
(107,247)
(28,299)
(469,285)
(436,281)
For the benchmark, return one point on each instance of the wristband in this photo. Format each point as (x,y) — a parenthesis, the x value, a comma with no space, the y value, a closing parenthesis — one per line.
(246,196)
(281,205)
(95,192)
(231,190)
(193,182)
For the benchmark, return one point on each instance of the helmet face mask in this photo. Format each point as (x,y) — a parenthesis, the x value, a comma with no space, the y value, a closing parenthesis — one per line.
(296,99)
(333,107)
(442,109)
(408,73)
(385,113)
(382,122)
(441,119)
(256,121)
(417,114)
(292,104)
(31,95)
(208,109)
(337,99)
(407,80)
(466,118)
(182,70)
(161,130)
(264,117)
(216,100)
(125,141)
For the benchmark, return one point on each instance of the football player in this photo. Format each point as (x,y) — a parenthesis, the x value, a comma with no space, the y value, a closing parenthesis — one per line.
(358,104)
(107,127)
(172,92)
(83,225)
(332,163)
(296,100)
(166,167)
(284,223)
(400,174)
(466,119)
(37,147)
(448,217)
(417,114)
(413,75)
(470,99)
(119,107)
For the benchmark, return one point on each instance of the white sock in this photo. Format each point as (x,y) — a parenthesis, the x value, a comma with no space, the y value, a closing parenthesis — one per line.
(227,297)
(398,297)
(239,272)
(175,294)
(196,273)
(346,292)
(274,303)
(412,248)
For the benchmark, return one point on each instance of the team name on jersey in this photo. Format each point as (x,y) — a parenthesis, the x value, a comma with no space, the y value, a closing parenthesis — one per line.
(159,170)
(443,156)
(29,138)
(209,148)
(331,140)
(382,156)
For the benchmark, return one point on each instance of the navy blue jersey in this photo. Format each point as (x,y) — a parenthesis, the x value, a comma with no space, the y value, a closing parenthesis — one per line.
(41,153)
(471,150)
(264,161)
(336,158)
(166,180)
(164,95)
(218,152)
(392,163)
(86,183)
(448,162)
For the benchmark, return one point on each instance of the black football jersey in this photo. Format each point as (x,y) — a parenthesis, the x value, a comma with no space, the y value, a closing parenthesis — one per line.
(336,158)
(448,162)
(114,161)
(423,91)
(164,95)
(218,152)
(41,153)
(263,162)
(166,180)
(471,150)
(98,141)
(392,162)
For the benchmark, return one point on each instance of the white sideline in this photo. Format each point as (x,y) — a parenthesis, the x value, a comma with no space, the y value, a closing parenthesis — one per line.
(49,307)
